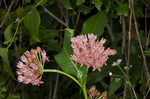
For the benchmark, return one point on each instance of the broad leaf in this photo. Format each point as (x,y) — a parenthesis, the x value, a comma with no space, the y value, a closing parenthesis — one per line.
(68,34)
(66,4)
(49,38)
(64,61)
(95,24)
(79,2)
(114,86)
(122,9)
(6,65)
(20,12)
(7,33)
(97,3)
(27,1)
(64,57)
(147,52)
(97,76)
(32,23)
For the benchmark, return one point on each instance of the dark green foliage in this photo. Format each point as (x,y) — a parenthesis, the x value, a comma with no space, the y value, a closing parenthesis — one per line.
(95,26)
(34,27)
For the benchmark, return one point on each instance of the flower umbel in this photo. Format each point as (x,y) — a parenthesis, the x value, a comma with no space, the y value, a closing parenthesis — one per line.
(31,65)
(90,52)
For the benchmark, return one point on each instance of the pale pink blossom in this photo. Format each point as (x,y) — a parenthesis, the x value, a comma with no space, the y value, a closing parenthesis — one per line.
(44,57)
(90,52)
(31,65)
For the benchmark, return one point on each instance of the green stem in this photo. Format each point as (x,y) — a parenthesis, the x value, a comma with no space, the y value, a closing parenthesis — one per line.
(13,38)
(85,91)
(63,73)
(134,93)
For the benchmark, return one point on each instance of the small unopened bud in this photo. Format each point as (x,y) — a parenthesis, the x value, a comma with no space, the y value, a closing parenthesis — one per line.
(130,66)
(126,68)
(38,49)
(110,73)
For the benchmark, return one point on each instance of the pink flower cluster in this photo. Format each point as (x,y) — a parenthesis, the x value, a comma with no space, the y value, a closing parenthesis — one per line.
(87,51)
(31,65)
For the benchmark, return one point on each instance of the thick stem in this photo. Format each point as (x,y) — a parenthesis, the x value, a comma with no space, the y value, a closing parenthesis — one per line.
(84,91)
(63,73)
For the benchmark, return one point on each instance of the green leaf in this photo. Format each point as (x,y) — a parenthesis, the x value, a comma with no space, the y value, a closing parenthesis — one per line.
(79,2)
(147,52)
(66,4)
(41,2)
(97,3)
(123,9)
(97,76)
(64,61)
(114,86)
(20,12)
(32,23)
(13,96)
(6,65)
(68,34)
(84,9)
(27,1)
(49,38)
(95,24)
(64,57)
(7,33)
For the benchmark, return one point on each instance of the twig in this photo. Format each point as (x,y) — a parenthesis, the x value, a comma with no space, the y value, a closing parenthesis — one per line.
(77,20)
(129,44)
(5,4)
(6,15)
(147,43)
(146,32)
(56,18)
(0,3)
(22,3)
(109,28)
(124,91)
(50,89)
(147,93)
(124,35)
(56,86)
(140,44)
(63,12)
(16,2)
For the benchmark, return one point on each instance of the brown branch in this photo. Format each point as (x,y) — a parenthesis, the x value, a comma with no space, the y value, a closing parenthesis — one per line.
(124,35)
(146,31)
(5,4)
(147,43)
(50,89)
(129,45)
(140,44)
(6,15)
(56,87)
